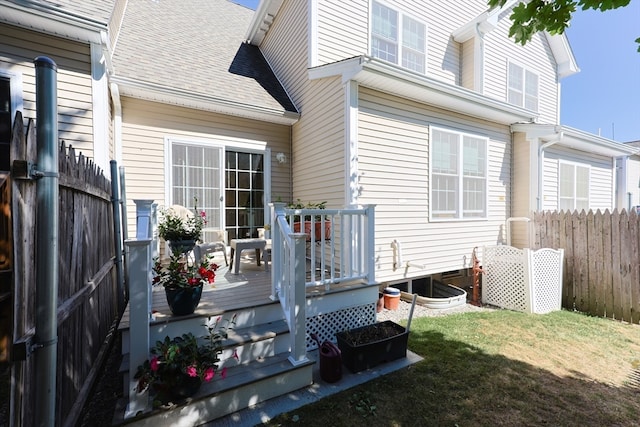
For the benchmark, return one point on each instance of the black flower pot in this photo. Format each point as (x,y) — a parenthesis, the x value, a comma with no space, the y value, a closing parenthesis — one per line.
(182,246)
(183,301)
(185,386)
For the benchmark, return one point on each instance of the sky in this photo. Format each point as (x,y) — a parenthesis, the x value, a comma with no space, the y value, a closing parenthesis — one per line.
(604,97)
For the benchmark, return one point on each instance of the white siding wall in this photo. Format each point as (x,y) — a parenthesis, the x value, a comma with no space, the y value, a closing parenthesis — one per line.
(535,56)
(344,31)
(393,161)
(18,49)
(633,181)
(600,182)
(146,124)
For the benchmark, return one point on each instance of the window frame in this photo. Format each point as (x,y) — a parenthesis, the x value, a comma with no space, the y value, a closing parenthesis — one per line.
(401,48)
(524,71)
(574,197)
(459,213)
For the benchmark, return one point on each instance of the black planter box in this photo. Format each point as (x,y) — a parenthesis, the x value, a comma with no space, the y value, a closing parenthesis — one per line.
(367,355)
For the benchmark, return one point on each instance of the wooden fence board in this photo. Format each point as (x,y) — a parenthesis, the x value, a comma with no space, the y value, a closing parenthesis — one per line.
(601,272)
(87,287)
(634,254)
(625,266)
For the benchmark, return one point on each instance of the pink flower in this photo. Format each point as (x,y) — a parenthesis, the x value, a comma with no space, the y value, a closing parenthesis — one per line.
(192,372)
(154,364)
(208,374)
(235,354)
(224,373)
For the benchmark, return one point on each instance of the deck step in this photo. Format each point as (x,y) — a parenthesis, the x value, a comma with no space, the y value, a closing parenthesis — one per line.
(250,344)
(243,386)
(175,326)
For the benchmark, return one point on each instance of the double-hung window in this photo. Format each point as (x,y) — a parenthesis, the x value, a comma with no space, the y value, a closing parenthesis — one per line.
(398,38)
(573,192)
(458,175)
(522,87)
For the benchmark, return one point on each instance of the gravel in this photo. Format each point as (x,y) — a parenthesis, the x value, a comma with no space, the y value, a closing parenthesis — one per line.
(404,308)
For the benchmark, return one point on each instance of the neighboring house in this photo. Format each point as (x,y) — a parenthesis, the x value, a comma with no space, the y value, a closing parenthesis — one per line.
(631,171)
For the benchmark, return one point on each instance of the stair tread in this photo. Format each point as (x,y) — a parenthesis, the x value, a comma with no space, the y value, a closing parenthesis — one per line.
(237,337)
(236,377)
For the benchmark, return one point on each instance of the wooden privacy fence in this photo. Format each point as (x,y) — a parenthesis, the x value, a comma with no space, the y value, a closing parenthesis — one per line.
(87,289)
(601,260)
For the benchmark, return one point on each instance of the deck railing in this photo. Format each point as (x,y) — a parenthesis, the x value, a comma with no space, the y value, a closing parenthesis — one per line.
(317,247)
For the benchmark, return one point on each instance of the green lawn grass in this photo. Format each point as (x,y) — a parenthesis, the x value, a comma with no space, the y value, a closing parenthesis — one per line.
(498,368)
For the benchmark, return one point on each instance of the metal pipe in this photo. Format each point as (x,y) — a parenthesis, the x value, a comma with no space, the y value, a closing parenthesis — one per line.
(117,228)
(46,336)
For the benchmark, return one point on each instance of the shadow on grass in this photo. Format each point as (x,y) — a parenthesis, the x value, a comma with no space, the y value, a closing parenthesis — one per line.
(458,384)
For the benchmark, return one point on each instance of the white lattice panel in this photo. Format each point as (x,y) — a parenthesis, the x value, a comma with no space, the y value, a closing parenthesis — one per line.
(522,279)
(326,325)
(503,283)
(546,280)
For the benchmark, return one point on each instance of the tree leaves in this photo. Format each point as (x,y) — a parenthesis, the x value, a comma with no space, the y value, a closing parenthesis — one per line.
(554,16)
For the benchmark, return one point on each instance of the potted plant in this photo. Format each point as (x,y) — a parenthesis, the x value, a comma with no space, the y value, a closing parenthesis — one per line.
(181,227)
(178,366)
(319,221)
(183,282)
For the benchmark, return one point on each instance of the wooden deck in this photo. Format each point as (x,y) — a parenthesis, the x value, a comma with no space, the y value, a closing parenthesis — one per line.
(250,288)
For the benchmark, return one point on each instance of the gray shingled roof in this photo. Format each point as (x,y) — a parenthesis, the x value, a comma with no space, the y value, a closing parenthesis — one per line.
(196,46)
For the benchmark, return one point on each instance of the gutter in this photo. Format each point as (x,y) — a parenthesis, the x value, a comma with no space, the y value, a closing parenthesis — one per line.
(40,16)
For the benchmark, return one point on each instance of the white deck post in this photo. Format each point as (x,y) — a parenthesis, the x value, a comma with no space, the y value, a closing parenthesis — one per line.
(297,300)
(139,303)
(277,255)
(370,243)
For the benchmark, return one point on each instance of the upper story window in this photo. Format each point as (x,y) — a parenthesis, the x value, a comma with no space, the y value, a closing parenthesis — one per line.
(522,87)
(573,191)
(397,38)
(458,175)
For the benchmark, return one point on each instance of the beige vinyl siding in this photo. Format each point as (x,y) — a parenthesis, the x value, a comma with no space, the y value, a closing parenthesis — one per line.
(524,189)
(146,125)
(500,49)
(318,157)
(467,73)
(19,48)
(393,166)
(601,176)
(342,30)
(285,48)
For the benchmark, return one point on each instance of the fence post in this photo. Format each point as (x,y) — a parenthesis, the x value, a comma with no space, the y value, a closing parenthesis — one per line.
(139,313)
(115,204)
(46,337)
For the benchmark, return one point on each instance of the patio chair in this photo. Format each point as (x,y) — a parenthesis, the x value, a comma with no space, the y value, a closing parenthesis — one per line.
(217,242)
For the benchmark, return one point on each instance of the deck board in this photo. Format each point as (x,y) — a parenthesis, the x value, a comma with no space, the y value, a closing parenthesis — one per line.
(250,288)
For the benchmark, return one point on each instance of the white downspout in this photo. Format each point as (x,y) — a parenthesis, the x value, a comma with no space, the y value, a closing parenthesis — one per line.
(541,165)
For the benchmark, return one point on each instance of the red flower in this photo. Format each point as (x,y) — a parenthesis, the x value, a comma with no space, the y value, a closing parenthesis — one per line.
(192,371)
(208,374)
(154,364)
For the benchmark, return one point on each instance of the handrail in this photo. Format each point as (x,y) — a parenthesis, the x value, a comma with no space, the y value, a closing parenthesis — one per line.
(317,247)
